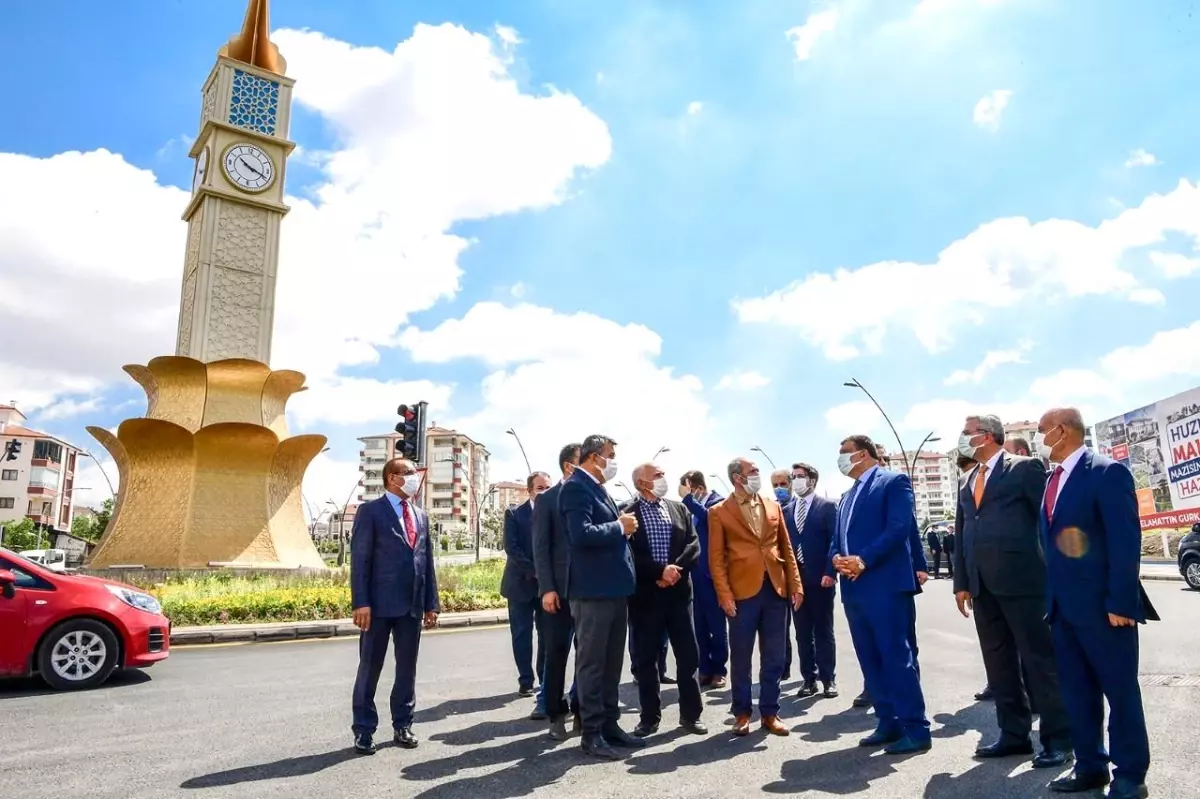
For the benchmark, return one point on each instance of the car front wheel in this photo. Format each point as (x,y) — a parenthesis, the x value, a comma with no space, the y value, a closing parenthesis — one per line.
(78,655)
(1191,572)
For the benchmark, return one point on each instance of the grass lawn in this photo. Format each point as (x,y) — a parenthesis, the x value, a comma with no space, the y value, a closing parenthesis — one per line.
(226,597)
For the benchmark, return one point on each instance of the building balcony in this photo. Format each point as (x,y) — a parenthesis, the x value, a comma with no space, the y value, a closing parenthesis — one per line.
(45,463)
(43,491)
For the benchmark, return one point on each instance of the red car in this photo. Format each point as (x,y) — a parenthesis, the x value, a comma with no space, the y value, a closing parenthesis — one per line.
(74,630)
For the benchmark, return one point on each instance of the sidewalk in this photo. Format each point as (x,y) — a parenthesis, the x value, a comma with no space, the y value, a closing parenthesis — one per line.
(1164,570)
(293,630)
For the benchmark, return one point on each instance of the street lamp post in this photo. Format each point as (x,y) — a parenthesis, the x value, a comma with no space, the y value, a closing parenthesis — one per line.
(760,451)
(341,558)
(513,433)
(475,497)
(627,491)
(661,450)
(722,479)
(87,454)
(854,383)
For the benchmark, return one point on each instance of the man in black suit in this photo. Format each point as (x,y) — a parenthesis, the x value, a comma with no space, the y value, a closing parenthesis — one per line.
(551,551)
(935,548)
(665,551)
(1001,574)
(394,593)
(519,586)
(600,579)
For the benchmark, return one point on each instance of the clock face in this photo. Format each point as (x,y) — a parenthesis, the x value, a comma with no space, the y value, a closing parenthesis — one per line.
(248,167)
(201,169)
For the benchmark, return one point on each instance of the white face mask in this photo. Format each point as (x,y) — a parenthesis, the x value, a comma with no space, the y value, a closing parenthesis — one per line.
(610,469)
(965,447)
(802,486)
(412,482)
(754,483)
(661,487)
(845,465)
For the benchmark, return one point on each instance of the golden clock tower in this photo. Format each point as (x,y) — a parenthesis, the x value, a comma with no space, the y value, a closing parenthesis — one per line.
(210,477)
(227,305)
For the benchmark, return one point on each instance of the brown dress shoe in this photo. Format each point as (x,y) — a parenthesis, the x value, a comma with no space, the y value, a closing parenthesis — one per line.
(741,725)
(719,682)
(773,725)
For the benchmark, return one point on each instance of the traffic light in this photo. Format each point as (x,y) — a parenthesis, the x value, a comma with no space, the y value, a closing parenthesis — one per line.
(11,450)
(412,432)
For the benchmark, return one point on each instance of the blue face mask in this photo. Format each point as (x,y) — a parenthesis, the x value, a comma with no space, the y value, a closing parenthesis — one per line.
(783,494)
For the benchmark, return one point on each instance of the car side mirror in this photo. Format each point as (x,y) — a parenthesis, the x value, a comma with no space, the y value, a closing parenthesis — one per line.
(7,584)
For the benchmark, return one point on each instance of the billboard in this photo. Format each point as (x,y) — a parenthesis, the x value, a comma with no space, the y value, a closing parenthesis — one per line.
(1160,444)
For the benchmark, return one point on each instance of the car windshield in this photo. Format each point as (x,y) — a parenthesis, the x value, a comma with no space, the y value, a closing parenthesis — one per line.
(8,553)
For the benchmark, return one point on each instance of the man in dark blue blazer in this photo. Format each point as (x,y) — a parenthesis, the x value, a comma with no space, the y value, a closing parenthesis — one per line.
(519,586)
(394,593)
(712,630)
(872,553)
(1092,537)
(599,582)
(811,521)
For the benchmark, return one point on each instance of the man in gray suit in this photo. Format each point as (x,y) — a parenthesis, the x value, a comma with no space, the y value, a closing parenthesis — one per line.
(1000,572)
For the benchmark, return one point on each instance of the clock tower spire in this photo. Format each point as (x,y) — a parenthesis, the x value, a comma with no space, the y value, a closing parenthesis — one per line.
(227,300)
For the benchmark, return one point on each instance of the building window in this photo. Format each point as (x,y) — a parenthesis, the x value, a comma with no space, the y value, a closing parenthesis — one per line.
(9,474)
(47,450)
(7,502)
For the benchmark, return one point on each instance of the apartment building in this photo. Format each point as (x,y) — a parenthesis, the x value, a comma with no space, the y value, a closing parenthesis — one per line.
(456,483)
(507,494)
(39,483)
(1025,429)
(935,482)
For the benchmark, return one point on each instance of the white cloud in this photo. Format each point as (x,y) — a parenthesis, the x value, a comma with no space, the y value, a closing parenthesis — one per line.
(508,35)
(1140,157)
(694,108)
(1147,296)
(558,377)
(742,381)
(360,401)
(804,37)
(432,133)
(990,361)
(1173,264)
(991,107)
(518,290)
(999,265)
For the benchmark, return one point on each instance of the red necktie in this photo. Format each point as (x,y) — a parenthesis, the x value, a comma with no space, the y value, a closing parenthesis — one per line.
(410,524)
(1052,491)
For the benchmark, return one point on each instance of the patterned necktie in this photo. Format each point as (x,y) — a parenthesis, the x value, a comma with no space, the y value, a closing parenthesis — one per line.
(800,515)
(410,524)
(1052,491)
(844,517)
(980,484)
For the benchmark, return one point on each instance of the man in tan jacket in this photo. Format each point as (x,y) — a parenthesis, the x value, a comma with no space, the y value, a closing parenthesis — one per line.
(754,573)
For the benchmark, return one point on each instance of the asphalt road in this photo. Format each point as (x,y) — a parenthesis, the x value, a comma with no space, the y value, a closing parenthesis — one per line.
(268,720)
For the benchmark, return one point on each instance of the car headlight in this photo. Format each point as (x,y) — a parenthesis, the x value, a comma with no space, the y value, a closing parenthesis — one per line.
(135,599)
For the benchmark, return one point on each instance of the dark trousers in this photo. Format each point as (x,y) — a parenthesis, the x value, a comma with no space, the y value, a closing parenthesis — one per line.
(912,634)
(712,631)
(1013,633)
(1097,663)
(405,633)
(560,633)
(650,618)
(659,646)
(882,633)
(523,619)
(599,652)
(763,616)
(813,623)
(950,563)
(937,564)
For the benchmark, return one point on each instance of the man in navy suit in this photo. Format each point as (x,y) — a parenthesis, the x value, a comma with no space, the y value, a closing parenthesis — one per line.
(712,631)
(1092,538)
(872,553)
(519,586)
(599,582)
(393,590)
(810,521)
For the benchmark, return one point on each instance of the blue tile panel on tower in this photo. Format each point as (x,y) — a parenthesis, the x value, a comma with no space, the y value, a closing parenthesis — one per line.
(254,104)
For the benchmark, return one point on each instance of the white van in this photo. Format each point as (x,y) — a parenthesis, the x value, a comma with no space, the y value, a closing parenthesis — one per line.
(53,559)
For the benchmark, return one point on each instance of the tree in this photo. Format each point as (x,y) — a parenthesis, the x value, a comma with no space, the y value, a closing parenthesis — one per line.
(20,535)
(492,523)
(82,527)
(92,527)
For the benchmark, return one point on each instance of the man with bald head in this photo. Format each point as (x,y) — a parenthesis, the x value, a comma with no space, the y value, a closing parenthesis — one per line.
(1092,537)
(665,550)
(755,575)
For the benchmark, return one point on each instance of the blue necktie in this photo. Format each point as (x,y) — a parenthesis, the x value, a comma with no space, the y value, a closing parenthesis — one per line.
(844,517)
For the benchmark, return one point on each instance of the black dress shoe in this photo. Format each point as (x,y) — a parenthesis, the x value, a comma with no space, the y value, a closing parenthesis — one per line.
(696,727)
(863,700)
(618,737)
(1078,783)
(787,675)
(525,690)
(1053,758)
(808,689)
(645,729)
(596,746)
(881,738)
(986,695)
(1124,789)
(665,680)
(538,714)
(363,744)
(908,746)
(405,738)
(1004,749)
(831,690)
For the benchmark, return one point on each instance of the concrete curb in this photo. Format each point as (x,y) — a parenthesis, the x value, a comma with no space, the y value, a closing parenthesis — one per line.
(302,630)
(1169,578)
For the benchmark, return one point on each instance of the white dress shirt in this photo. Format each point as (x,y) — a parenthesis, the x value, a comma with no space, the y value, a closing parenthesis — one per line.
(991,469)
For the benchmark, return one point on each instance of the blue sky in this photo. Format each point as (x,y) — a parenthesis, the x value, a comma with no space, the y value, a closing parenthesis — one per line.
(690,176)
